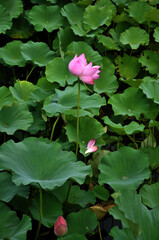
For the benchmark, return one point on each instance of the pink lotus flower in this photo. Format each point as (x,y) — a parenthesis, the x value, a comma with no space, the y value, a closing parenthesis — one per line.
(79,67)
(60,227)
(91,147)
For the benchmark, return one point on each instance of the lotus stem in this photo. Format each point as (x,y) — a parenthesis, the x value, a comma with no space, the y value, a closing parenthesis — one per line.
(100,235)
(29,73)
(40,221)
(53,127)
(78,105)
(132,139)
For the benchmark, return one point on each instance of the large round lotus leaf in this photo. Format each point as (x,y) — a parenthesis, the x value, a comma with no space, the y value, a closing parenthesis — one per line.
(48,17)
(132,103)
(95,16)
(22,91)
(11,54)
(128,66)
(152,154)
(121,234)
(14,7)
(134,36)
(142,221)
(13,118)
(54,75)
(51,209)
(39,161)
(81,222)
(149,60)
(5,20)
(38,122)
(108,43)
(73,13)
(82,47)
(67,99)
(9,189)
(37,52)
(150,195)
(10,226)
(81,197)
(74,235)
(89,128)
(6,98)
(138,9)
(101,192)
(151,89)
(124,169)
(156,34)
(129,129)
(107,82)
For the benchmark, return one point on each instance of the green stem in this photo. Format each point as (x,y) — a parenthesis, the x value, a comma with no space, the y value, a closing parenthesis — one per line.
(133,141)
(53,127)
(29,73)
(87,88)
(78,105)
(100,235)
(41,205)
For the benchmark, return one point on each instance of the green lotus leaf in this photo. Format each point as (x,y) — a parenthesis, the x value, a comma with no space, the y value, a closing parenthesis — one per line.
(122,2)
(11,54)
(156,34)
(134,36)
(54,75)
(89,128)
(6,98)
(142,221)
(129,129)
(5,20)
(21,28)
(79,30)
(74,235)
(101,192)
(132,103)
(108,43)
(37,52)
(121,234)
(65,100)
(14,7)
(151,90)
(152,154)
(107,82)
(48,17)
(81,222)
(10,225)
(153,15)
(13,118)
(96,16)
(52,1)
(53,166)
(150,195)
(128,66)
(38,122)
(22,91)
(81,197)
(149,60)
(123,170)
(82,47)
(73,13)
(107,3)
(51,209)
(138,11)
(9,189)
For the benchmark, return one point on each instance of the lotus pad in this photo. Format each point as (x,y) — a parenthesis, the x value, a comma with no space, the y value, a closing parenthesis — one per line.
(134,36)
(132,103)
(5,20)
(38,161)
(149,60)
(124,169)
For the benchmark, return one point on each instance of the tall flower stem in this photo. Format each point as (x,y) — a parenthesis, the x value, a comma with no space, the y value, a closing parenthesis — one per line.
(41,204)
(100,235)
(78,105)
(53,127)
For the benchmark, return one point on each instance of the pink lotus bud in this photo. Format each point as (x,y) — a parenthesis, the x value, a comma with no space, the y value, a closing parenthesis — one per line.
(91,147)
(60,226)
(78,67)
